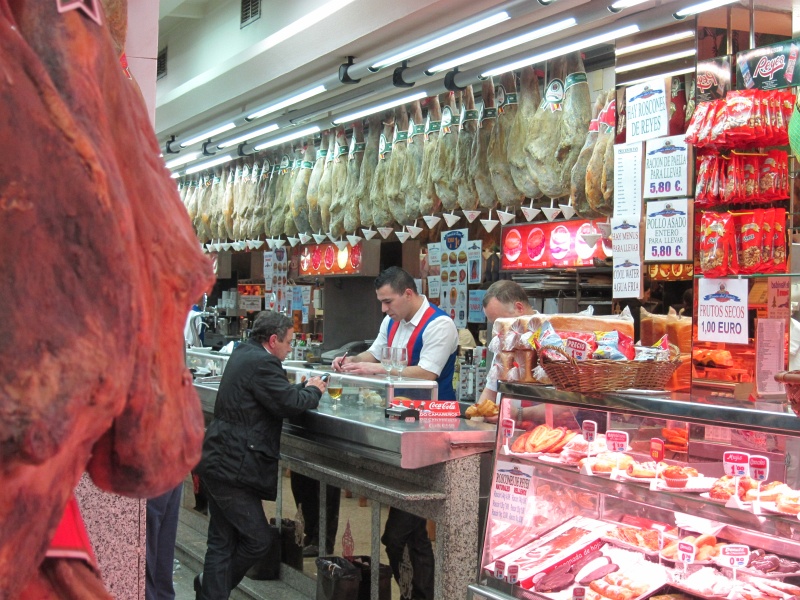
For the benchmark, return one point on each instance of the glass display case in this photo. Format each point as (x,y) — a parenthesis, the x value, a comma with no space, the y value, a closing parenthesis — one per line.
(646,507)
(205,363)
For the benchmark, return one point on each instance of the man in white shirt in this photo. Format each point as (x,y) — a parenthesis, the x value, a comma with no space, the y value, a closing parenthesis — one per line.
(431,339)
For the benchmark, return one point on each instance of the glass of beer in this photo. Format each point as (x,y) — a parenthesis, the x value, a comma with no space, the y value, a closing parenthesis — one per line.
(335,391)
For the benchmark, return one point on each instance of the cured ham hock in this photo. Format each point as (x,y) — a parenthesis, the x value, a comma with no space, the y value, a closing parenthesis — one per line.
(99,268)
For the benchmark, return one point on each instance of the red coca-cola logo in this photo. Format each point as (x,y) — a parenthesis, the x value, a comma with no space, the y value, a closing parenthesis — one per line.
(706,81)
(447,405)
(767,67)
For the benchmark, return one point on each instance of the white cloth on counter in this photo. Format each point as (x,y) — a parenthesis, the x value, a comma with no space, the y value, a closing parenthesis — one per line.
(439,340)
(227,348)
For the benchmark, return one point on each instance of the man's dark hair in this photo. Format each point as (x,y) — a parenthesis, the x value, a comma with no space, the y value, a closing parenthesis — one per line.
(506,292)
(396,278)
(269,322)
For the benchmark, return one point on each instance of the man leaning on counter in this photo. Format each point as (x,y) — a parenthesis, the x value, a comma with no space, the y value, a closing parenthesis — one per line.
(431,338)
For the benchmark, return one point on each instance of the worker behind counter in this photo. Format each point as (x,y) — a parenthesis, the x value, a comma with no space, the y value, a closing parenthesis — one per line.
(431,338)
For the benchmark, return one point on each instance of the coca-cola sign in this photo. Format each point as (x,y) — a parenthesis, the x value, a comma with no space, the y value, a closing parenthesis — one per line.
(713,79)
(768,67)
(432,408)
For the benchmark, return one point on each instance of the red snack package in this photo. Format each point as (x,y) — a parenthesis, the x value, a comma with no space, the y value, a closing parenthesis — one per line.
(578,344)
(696,123)
(713,248)
(779,241)
(763,128)
(749,243)
(769,178)
(767,239)
(677,106)
(716,135)
(705,172)
(739,118)
(750,172)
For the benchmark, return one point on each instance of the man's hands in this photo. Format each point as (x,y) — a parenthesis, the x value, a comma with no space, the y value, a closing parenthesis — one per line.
(340,361)
(317,383)
(361,368)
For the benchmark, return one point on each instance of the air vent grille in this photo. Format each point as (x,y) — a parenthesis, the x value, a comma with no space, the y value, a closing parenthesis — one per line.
(251,11)
(161,64)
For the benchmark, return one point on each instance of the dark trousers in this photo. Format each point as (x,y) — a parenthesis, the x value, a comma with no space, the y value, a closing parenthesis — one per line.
(238,536)
(306,493)
(403,529)
(161,530)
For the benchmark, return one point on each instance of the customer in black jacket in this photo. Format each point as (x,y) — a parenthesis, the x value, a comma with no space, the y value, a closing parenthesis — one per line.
(239,466)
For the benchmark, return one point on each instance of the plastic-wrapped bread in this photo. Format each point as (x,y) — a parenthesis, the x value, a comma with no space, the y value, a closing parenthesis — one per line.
(679,331)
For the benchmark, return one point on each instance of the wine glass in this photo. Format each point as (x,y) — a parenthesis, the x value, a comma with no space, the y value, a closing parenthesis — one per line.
(335,391)
(386,360)
(399,359)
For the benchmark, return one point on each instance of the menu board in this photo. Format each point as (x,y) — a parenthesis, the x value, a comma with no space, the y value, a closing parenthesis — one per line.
(276,268)
(454,275)
(327,259)
(547,245)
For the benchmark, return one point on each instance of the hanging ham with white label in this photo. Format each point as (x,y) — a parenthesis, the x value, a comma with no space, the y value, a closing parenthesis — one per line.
(326,185)
(409,185)
(467,194)
(577,197)
(296,159)
(361,195)
(278,202)
(312,196)
(339,181)
(596,166)
(429,202)
(397,165)
(272,192)
(444,156)
(479,161)
(259,209)
(355,159)
(299,198)
(508,196)
(378,197)
(226,214)
(529,100)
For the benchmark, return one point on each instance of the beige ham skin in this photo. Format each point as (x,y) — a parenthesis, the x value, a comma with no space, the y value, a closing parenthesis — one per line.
(378,196)
(508,196)
(467,194)
(105,266)
(444,156)
(479,162)
(312,196)
(395,167)
(577,197)
(529,99)
(409,184)
(361,195)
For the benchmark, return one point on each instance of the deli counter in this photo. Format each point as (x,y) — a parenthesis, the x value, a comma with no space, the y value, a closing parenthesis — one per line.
(433,467)
(646,505)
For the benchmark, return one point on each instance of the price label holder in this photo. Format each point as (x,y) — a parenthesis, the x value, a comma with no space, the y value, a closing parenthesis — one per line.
(657,454)
(686,553)
(617,441)
(589,430)
(512,573)
(736,465)
(759,471)
(508,431)
(733,556)
(499,570)
(578,593)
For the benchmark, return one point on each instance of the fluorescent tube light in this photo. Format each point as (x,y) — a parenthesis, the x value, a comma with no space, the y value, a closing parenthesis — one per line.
(248,136)
(381,107)
(656,61)
(288,102)
(667,39)
(209,163)
(586,43)
(175,175)
(181,160)
(287,138)
(297,27)
(661,76)
(442,40)
(499,47)
(620,4)
(208,134)
(702,7)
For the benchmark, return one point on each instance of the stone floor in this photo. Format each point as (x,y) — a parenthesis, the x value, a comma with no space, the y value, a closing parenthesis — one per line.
(190,550)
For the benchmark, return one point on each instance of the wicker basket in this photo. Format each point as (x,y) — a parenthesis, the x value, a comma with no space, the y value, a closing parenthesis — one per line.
(608,375)
(791,381)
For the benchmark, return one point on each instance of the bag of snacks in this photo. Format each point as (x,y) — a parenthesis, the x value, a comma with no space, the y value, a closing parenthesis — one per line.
(749,226)
(767,239)
(718,255)
(779,242)
(613,345)
(696,123)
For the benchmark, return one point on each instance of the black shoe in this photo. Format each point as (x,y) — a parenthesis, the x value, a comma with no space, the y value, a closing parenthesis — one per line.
(310,551)
(198,585)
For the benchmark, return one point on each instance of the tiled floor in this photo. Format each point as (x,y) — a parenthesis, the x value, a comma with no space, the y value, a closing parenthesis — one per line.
(192,536)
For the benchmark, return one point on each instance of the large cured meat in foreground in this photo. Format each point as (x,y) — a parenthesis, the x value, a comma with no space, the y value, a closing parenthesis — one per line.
(99,267)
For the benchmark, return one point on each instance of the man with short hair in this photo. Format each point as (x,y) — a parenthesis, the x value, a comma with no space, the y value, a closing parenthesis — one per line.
(431,338)
(503,299)
(241,450)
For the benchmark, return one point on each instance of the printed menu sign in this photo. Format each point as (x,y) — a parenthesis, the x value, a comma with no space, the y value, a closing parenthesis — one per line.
(666,167)
(768,67)
(779,291)
(560,244)
(510,492)
(474,262)
(476,306)
(628,272)
(722,311)
(646,111)
(713,79)
(667,231)
(453,275)
(770,358)
(628,180)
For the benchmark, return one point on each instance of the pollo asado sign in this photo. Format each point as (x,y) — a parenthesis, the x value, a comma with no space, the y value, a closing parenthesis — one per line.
(768,67)
(575,243)
(667,231)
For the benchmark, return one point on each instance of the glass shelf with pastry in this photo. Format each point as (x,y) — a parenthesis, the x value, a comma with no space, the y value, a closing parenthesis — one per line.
(627,496)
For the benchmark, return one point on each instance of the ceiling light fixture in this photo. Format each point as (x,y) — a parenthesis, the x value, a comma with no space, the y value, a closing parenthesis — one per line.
(661,76)
(442,40)
(288,102)
(620,4)
(248,136)
(655,61)
(661,41)
(702,7)
(175,175)
(575,46)
(505,45)
(287,138)
(209,163)
(381,107)
(182,160)
(208,134)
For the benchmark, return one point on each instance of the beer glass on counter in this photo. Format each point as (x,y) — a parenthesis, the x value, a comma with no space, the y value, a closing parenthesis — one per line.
(335,391)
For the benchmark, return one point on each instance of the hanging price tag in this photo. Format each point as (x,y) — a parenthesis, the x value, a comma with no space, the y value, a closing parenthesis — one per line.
(508,428)
(657,449)
(759,468)
(512,573)
(734,556)
(617,441)
(736,464)
(589,431)
(499,569)
(686,552)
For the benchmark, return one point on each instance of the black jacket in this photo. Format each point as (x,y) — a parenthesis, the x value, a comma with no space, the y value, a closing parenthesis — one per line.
(242,443)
